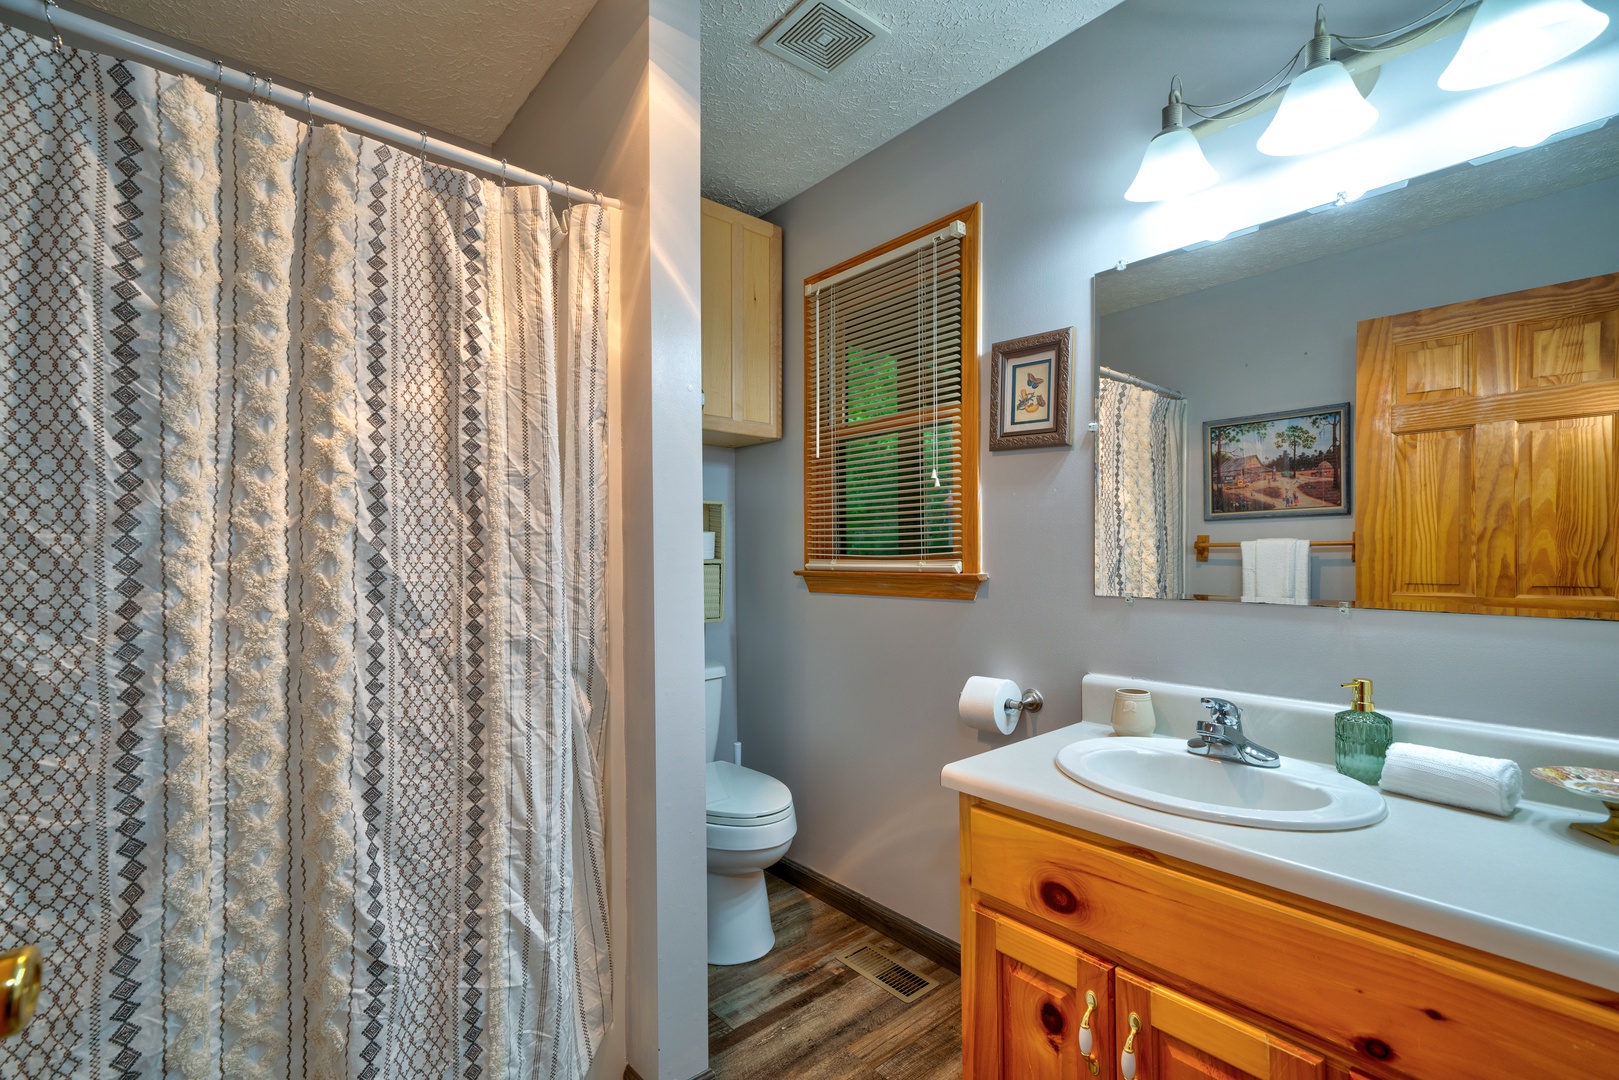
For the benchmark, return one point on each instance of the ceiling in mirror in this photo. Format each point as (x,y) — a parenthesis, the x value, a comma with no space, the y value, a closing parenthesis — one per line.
(1583,156)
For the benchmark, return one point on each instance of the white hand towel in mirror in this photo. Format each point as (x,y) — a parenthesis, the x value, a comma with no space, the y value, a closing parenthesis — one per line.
(1276,571)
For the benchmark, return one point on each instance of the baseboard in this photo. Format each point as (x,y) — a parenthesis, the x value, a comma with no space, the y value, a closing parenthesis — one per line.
(706,1074)
(908,932)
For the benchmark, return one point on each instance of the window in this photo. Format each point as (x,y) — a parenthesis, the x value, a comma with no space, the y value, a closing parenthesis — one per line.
(891,417)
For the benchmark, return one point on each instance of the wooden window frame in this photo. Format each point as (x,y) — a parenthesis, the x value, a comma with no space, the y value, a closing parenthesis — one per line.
(913,583)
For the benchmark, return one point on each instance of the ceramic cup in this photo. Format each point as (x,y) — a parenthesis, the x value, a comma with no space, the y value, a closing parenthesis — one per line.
(1132,712)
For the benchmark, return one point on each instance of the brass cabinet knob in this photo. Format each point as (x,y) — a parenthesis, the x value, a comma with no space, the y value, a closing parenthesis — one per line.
(19,988)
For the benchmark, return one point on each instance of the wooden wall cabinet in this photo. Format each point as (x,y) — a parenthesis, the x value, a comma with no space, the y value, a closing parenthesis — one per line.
(1197,975)
(741,328)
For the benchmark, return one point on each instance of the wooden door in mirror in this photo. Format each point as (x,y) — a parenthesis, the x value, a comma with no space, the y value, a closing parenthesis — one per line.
(1487,455)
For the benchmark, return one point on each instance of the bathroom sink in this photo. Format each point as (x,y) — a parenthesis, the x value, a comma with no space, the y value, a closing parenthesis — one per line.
(1159,773)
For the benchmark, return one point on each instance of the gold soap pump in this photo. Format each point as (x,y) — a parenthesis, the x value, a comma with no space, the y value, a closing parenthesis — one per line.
(1361,735)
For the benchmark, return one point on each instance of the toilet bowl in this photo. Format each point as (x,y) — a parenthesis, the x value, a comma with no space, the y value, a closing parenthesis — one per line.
(750,825)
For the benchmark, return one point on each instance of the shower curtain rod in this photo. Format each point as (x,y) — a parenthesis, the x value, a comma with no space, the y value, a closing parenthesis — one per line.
(1119,376)
(212,72)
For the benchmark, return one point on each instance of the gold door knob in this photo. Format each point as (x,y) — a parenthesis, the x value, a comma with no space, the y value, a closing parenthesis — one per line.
(19,989)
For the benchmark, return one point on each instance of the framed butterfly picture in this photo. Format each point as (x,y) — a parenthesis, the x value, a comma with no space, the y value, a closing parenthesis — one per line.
(1029,391)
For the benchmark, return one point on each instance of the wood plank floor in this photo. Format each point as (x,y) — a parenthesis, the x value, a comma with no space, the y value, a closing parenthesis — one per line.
(799,1012)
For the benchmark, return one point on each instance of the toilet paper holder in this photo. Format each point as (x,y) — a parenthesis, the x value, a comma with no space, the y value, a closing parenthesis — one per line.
(1032,702)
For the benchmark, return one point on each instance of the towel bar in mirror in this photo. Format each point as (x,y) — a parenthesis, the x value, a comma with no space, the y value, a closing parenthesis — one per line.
(1203,544)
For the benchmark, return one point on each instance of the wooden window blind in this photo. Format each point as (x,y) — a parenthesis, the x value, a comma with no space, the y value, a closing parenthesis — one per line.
(891,417)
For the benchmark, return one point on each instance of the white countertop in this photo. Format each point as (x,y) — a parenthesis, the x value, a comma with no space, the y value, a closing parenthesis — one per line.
(1524,887)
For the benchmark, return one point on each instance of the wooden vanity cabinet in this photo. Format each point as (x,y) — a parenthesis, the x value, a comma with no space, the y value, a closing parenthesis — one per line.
(1233,980)
(741,265)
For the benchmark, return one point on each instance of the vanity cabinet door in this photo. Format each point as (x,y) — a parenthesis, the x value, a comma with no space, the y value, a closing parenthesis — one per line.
(1164,1035)
(1037,1008)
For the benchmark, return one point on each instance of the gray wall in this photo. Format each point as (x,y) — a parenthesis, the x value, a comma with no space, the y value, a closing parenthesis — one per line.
(1286,339)
(851,700)
(618,111)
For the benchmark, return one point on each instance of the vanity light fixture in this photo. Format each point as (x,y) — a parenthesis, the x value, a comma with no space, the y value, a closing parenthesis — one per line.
(1174,164)
(1322,107)
(1509,38)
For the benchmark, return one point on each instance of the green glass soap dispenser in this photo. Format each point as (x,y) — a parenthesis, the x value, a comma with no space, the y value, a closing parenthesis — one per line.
(1362,735)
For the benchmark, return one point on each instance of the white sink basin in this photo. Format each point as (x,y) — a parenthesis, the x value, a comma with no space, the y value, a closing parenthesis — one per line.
(1161,774)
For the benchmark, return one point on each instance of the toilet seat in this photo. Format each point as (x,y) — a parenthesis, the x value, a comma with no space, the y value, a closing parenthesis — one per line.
(747,810)
(742,797)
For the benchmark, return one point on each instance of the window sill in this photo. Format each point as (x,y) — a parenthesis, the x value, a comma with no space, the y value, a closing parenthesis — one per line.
(894,583)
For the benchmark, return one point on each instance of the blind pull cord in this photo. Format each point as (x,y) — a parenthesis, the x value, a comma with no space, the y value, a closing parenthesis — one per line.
(933,358)
(818,377)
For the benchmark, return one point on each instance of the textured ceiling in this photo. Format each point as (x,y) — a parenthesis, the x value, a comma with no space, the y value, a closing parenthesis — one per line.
(770,130)
(460,67)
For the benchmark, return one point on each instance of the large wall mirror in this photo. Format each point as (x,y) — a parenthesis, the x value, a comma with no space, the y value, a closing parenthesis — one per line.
(1226,387)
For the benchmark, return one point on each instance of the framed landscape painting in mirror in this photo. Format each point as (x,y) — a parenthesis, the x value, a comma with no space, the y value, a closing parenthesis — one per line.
(1293,463)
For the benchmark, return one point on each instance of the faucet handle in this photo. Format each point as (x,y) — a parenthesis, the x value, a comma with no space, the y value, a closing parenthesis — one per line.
(1223,711)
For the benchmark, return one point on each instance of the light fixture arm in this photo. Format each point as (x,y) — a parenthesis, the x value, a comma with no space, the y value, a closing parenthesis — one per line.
(1321,41)
(1363,58)
(1245,102)
(1400,34)
(1173,111)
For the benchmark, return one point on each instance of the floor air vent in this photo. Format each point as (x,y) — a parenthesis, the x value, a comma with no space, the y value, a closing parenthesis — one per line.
(886,972)
(820,35)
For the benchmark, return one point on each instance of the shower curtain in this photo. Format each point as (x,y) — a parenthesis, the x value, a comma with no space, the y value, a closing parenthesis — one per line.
(1140,492)
(302,691)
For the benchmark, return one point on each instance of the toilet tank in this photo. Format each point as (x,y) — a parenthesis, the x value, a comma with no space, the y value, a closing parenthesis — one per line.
(713,683)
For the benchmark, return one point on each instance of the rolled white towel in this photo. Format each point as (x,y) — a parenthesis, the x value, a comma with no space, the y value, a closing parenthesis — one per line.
(1492,785)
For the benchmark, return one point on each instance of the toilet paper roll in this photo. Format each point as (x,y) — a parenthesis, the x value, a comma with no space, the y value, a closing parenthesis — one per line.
(983,703)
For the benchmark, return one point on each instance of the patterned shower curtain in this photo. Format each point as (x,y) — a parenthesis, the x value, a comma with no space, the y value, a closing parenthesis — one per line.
(301,621)
(1140,492)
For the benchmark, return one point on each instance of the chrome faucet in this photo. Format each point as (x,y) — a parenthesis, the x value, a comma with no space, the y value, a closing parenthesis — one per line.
(1220,736)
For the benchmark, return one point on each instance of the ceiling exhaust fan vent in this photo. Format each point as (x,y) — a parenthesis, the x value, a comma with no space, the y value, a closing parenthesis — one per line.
(819,36)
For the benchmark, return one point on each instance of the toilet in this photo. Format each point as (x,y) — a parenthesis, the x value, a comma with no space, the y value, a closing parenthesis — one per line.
(750,826)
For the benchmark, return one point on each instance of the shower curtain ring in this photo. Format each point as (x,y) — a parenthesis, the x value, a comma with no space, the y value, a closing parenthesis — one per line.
(503,174)
(252,83)
(269,88)
(56,35)
(309,108)
(424,148)
(219,78)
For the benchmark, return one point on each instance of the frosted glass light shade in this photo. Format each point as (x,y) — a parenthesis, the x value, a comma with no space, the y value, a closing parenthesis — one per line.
(1173,166)
(1509,38)
(1321,109)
